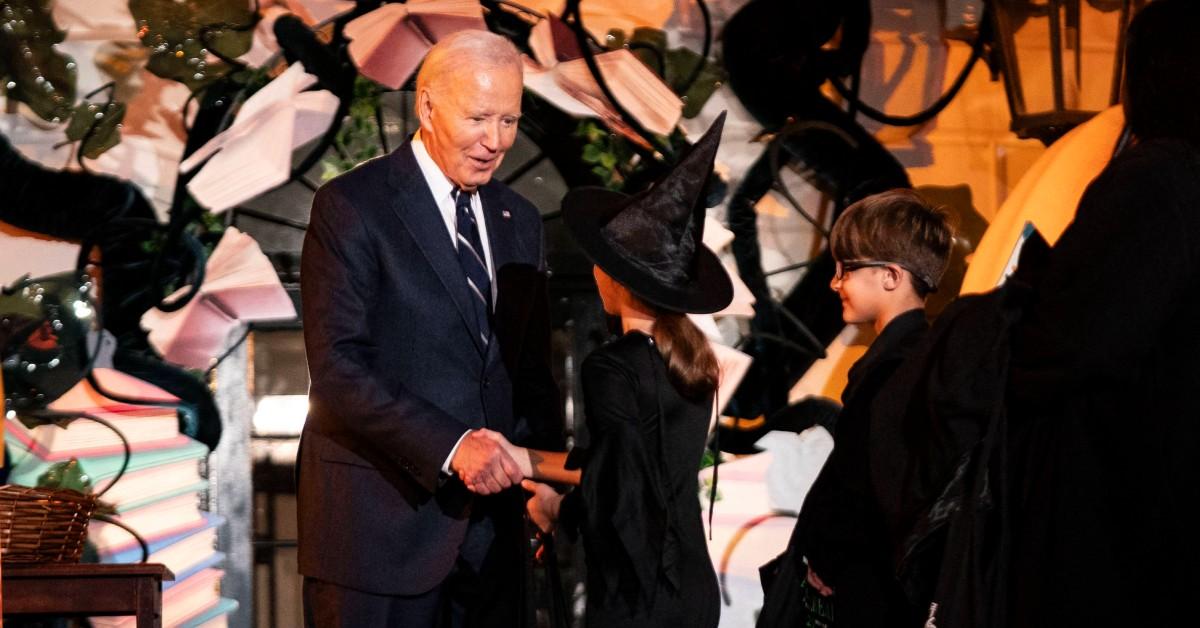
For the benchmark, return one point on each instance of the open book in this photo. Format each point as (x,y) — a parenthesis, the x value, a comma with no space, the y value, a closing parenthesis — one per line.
(254,155)
(240,285)
(389,43)
(559,74)
(313,12)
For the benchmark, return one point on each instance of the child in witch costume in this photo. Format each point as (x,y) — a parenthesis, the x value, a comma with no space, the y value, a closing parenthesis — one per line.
(648,399)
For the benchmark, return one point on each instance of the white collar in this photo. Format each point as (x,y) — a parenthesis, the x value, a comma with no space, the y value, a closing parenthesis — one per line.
(439,183)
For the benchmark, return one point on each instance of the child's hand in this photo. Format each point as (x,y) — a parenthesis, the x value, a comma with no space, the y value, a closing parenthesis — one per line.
(542,505)
(813,580)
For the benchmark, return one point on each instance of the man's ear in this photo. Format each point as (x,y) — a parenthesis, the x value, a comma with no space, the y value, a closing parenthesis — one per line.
(425,108)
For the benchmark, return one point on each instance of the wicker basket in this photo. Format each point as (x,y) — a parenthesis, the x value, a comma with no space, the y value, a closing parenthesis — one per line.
(43,525)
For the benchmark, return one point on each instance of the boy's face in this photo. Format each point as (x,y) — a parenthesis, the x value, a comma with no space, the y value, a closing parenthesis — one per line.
(864,288)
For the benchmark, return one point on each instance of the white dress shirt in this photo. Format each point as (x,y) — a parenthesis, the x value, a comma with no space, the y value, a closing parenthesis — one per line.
(443,189)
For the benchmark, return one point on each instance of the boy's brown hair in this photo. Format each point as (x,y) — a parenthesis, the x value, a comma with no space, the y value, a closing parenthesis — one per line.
(896,226)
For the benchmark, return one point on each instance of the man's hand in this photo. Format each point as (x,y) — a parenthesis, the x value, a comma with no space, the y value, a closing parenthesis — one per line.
(483,465)
(542,505)
(520,455)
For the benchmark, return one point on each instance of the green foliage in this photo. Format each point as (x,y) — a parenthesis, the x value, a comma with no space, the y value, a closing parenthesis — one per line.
(180,33)
(612,158)
(358,139)
(610,155)
(69,474)
(31,69)
(98,126)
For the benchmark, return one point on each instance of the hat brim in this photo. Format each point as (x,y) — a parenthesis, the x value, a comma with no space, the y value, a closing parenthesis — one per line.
(587,210)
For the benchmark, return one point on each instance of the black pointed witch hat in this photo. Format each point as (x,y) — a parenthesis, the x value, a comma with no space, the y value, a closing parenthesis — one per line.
(652,243)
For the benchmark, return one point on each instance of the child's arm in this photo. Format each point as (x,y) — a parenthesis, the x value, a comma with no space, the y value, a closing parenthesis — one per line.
(546,466)
(536,464)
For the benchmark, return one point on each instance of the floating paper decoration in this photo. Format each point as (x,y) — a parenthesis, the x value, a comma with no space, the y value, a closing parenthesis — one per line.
(254,154)
(389,43)
(314,12)
(240,286)
(563,78)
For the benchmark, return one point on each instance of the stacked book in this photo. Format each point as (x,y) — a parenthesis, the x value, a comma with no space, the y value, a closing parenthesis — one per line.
(159,494)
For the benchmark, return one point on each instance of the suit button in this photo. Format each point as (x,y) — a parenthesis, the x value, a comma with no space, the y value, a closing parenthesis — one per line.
(486,382)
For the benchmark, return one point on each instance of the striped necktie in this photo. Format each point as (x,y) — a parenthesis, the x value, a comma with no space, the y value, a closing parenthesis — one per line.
(470,257)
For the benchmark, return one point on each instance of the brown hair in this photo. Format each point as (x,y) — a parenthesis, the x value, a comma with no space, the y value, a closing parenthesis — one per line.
(691,364)
(896,226)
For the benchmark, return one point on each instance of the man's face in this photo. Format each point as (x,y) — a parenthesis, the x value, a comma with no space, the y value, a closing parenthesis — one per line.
(468,121)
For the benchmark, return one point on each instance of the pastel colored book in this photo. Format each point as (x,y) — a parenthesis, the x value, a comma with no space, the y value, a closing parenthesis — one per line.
(146,427)
(187,599)
(216,616)
(178,551)
(165,517)
(151,475)
(213,559)
(240,285)
(389,43)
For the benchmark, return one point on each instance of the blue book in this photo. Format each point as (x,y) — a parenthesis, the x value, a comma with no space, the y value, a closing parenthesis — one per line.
(212,560)
(178,551)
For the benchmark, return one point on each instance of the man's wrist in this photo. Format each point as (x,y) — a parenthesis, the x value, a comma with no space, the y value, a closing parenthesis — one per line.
(446,470)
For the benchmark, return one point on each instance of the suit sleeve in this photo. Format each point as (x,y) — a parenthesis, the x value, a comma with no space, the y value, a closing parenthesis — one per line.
(339,277)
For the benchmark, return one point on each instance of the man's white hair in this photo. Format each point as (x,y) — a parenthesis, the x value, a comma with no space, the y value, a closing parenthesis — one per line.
(466,53)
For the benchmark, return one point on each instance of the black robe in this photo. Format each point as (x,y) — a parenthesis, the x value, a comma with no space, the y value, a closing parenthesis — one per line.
(840,529)
(638,504)
(1105,406)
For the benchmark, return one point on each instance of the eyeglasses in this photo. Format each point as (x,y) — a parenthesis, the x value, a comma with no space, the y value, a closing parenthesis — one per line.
(842,269)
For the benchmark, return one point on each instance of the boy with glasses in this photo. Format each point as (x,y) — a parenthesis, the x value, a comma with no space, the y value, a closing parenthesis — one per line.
(891,250)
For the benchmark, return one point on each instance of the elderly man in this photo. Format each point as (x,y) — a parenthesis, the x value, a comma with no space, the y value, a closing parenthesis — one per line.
(424,323)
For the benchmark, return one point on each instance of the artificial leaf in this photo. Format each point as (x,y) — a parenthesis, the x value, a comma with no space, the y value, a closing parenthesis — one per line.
(31,69)
(180,32)
(98,126)
(69,474)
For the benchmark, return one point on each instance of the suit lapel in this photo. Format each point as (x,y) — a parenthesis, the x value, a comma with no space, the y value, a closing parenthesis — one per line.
(415,207)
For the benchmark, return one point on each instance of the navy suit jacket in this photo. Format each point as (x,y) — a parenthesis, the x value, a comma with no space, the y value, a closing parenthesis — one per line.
(399,372)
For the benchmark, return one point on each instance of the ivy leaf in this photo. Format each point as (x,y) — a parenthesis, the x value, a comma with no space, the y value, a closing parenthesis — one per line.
(31,69)
(103,122)
(591,154)
(178,33)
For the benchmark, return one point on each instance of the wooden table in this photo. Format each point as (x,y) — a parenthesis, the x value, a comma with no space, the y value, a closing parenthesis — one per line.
(86,590)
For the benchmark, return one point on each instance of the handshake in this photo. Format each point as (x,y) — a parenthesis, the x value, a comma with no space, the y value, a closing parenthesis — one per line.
(487,463)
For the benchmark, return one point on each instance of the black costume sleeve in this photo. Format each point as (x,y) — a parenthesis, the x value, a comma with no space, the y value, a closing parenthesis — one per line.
(621,495)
